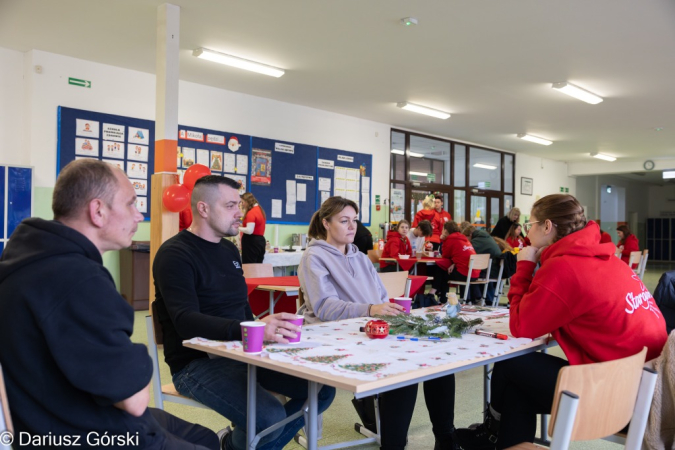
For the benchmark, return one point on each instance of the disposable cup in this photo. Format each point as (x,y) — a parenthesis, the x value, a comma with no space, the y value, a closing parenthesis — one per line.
(297,321)
(252,334)
(406,302)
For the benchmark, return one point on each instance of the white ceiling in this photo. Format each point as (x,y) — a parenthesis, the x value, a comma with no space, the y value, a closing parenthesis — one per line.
(490,63)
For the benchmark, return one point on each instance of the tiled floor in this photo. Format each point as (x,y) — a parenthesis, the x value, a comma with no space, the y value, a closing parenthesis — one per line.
(339,419)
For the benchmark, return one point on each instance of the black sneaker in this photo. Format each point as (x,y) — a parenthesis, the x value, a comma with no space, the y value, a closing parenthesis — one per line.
(447,442)
(484,436)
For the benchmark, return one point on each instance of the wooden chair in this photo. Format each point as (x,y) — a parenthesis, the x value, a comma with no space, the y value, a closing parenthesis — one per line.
(498,283)
(643,264)
(374,256)
(597,400)
(5,417)
(476,262)
(258,270)
(397,284)
(167,392)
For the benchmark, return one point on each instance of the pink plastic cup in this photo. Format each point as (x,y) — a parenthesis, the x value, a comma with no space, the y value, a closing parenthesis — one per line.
(297,321)
(406,302)
(252,335)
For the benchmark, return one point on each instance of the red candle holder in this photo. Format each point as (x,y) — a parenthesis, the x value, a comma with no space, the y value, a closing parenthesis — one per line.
(377,329)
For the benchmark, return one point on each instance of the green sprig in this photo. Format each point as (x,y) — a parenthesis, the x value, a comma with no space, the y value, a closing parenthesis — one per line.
(422,325)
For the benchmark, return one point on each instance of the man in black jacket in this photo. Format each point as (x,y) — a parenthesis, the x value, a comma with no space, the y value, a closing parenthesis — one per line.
(73,376)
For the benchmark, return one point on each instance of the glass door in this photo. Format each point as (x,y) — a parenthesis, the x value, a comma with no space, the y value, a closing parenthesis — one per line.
(484,210)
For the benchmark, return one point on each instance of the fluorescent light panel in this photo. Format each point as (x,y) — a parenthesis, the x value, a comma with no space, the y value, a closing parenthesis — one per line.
(485,166)
(577,92)
(419,174)
(603,157)
(423,110)
(237,62)
(536,140)
(668,174)
(413,154)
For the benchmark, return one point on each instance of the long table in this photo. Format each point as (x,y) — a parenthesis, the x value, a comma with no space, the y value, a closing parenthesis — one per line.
(360,387)
(409,263)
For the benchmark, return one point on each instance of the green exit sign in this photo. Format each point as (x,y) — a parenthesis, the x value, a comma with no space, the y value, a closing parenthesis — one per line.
(78,82)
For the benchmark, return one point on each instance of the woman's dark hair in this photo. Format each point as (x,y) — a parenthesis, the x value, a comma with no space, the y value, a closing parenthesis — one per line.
(329,208)
(511,234)
(563,210)
(451,227)
(425,227)
(250,200)
(625,230)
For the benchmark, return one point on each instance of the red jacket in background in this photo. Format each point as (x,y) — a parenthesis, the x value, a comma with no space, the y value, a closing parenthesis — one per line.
(605,237)
(630,244)
(457,250)
(443,216)
(396,245)
(517,242)
(593,304)
(255,215)
(436,225)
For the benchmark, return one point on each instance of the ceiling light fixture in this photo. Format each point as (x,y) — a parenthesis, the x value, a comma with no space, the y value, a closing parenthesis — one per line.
(577,92)
(536,140)
(668,174)
(237,62)
(407,21)
(419,174)
(485,166)
(416,155)
(423,110)
(397,152)
(603,157)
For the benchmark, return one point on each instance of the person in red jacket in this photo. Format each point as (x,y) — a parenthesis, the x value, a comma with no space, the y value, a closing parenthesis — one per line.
(604,237)
(443,215)
(595,307)
(628,243)
(515,238)
(454,265)
(397,244)
(428,213)
(253,228)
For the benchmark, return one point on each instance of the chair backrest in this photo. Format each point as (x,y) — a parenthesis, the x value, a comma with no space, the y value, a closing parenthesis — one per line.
(156,326)
(634,258)
(643,263)
(394,283)
(480,262)
(258,270)
(5,417)
(607,393)
(374,256)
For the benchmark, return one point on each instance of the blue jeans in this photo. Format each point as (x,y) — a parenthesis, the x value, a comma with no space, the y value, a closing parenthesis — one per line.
(220,384)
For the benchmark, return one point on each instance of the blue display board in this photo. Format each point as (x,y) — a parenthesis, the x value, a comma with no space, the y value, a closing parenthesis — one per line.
(350,176)
(19,196)
(225,153)
(124,142)
(283,180)
(3,234)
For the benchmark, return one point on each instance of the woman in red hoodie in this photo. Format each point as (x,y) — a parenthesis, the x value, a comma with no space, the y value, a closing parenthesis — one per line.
(397,244)
(627,243)
(454,265)
(595,307)
(515,238)
(430,214)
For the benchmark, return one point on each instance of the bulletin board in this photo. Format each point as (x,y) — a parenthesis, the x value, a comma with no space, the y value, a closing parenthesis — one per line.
(124,142)
(283,180)
(348,175)
(226,154)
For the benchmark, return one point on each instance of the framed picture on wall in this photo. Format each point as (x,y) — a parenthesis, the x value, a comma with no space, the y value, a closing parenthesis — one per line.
(526,186)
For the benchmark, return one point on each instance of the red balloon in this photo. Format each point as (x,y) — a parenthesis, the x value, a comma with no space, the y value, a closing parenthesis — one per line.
(176,197)
(195,172)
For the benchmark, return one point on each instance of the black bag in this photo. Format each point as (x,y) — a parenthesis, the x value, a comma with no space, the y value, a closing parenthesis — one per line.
(424,300)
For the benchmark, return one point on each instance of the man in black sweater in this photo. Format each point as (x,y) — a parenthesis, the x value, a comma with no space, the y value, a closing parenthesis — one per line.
(201,292)
(73,376)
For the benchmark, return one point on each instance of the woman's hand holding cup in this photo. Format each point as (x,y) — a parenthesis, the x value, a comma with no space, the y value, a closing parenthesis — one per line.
(386,309)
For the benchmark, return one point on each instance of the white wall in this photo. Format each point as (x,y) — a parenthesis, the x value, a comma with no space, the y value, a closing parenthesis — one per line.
(12,108)
(548,176)
(130,93)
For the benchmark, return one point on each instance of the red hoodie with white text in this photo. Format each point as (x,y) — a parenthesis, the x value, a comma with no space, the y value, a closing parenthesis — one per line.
(457,250)
(591,301)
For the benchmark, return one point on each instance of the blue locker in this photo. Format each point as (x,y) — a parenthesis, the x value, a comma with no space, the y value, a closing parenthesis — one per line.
(19,196)
(2,208)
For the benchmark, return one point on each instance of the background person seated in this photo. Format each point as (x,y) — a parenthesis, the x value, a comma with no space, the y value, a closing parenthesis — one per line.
(397,244)
(628,243)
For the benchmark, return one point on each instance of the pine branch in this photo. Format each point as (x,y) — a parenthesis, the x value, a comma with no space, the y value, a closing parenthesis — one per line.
(422,326)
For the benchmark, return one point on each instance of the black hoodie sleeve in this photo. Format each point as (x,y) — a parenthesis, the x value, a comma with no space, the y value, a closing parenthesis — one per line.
(88,333)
